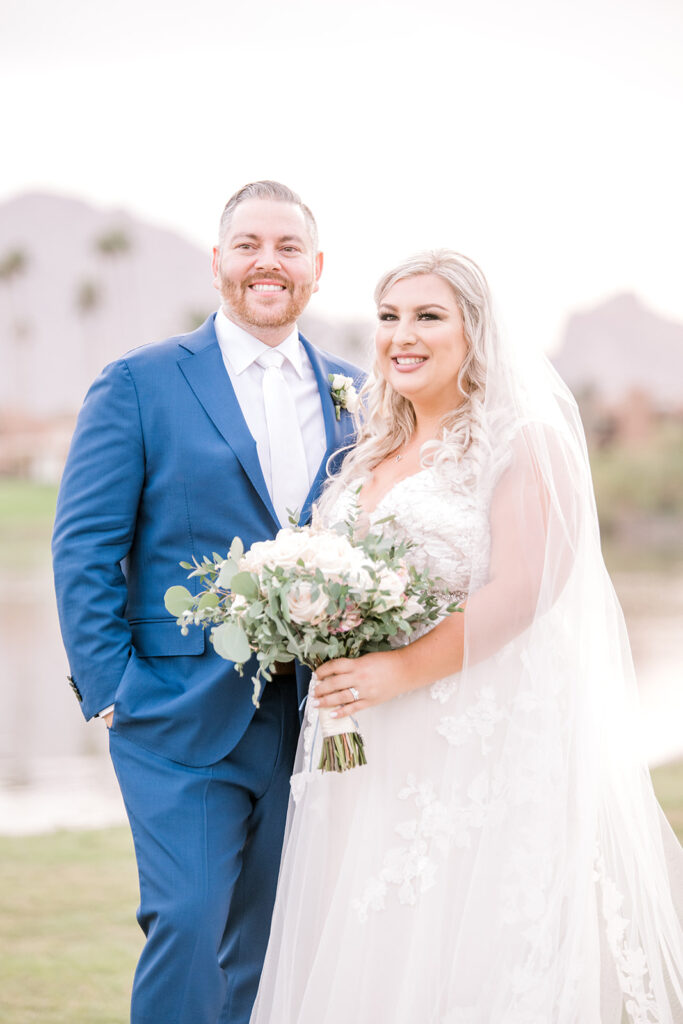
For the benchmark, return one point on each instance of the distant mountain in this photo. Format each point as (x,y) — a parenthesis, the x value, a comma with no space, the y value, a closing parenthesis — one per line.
(81,285)
(621,346)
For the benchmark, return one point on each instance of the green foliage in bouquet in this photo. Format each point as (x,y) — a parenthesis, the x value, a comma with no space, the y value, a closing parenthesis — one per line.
(313,594)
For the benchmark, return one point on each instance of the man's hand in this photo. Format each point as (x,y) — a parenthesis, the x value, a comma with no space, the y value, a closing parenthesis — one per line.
(109,719)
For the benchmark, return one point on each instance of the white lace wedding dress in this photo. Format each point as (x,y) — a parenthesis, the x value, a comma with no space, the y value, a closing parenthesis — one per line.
(443,883)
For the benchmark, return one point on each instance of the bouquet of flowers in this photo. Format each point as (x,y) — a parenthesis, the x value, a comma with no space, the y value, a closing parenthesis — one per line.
(313,594)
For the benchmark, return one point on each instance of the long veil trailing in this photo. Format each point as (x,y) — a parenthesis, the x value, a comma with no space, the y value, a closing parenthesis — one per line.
(502,859)
(580,858)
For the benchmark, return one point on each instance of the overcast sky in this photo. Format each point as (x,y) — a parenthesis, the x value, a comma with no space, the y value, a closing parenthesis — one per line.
(541,137)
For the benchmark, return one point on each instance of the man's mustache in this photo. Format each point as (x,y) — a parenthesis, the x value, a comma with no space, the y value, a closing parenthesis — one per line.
(269,278)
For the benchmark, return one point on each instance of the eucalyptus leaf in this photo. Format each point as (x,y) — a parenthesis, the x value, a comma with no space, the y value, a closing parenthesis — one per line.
(236,549)
(227,571)
(244,583)
(207,600)
(230,641)
(178,600)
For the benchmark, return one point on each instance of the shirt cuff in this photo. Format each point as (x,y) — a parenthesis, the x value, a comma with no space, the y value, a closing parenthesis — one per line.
(105,711)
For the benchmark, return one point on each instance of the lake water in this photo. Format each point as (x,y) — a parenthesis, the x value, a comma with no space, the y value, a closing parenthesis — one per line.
(54,767)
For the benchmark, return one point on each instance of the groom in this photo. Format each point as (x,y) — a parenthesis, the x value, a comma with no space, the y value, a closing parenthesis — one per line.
(179,447)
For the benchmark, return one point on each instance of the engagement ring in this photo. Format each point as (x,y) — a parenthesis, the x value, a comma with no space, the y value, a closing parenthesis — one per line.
(354,692)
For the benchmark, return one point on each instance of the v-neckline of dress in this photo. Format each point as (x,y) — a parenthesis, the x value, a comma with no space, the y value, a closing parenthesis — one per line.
(370,512)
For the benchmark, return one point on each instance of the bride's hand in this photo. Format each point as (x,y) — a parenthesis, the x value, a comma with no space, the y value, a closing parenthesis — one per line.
(374,677)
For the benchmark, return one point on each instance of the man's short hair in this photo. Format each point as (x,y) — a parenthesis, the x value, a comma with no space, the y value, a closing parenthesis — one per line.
(266,190)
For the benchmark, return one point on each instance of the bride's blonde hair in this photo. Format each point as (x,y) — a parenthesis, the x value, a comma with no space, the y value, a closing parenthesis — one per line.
(386,420)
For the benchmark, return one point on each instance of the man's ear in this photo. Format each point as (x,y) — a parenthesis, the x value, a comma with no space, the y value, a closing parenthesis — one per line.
(318,269)
(216,266)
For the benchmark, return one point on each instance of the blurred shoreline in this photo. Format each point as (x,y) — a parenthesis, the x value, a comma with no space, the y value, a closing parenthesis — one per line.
(62,793)
(55,771)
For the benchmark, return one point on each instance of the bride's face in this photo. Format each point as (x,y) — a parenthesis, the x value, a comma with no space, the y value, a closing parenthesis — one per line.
(420,342)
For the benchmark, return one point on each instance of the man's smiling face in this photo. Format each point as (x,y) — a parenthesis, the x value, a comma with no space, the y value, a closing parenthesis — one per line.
(266,269)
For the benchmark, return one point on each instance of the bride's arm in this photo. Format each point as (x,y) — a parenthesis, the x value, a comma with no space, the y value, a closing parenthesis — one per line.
(532,539)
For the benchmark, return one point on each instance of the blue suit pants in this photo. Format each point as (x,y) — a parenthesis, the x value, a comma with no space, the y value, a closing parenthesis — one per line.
(208,843)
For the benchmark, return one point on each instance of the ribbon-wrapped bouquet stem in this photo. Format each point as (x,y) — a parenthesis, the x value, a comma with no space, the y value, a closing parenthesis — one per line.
(311,594)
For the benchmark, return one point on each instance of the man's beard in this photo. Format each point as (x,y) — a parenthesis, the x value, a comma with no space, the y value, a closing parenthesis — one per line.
(237,299)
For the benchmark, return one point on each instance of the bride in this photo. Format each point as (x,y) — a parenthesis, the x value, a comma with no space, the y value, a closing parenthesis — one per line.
(501,859)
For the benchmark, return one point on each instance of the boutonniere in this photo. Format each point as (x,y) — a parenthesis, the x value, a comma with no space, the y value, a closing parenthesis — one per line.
(344,394)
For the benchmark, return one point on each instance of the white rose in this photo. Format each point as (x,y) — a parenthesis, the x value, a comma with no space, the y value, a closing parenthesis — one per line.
(303,607)
(359,579)
(394,586)
(256,557)
(289,547)
(352,400)
(326,550)
(286,550)
(331,553)
(412,607)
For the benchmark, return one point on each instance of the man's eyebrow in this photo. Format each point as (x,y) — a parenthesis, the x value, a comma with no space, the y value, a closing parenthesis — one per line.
(255,238)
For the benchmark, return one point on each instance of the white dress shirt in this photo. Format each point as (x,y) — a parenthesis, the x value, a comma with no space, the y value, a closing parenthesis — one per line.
(240,350)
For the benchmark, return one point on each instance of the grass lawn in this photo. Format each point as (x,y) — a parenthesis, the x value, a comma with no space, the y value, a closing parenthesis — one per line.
(668,783)
(68,936)
(27,510)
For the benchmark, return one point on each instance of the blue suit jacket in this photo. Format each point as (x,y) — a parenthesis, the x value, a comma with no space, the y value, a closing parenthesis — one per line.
(162,466)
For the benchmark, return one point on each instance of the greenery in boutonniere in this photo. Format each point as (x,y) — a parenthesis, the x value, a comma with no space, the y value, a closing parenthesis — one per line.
(344,394)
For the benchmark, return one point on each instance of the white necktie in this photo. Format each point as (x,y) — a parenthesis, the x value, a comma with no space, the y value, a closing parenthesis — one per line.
(288,467)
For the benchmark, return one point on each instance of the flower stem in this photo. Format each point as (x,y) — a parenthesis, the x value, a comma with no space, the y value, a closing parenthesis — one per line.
(341,752)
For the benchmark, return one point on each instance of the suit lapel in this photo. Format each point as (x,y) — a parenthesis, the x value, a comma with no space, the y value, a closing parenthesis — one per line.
(337,433)
(204,370)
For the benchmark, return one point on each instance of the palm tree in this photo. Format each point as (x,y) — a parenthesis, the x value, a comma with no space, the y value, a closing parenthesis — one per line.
(13,265)
(114,246)
(114,243)
(88,296)
(88,300)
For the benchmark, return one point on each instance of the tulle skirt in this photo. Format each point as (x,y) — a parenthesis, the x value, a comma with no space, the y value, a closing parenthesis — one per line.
(455,879)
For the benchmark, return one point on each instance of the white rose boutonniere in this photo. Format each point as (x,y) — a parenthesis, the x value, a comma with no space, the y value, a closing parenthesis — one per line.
(344,394)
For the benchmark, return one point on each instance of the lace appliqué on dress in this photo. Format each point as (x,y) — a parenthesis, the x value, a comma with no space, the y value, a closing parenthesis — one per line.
(411,867)
(629,959)
(480,720)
